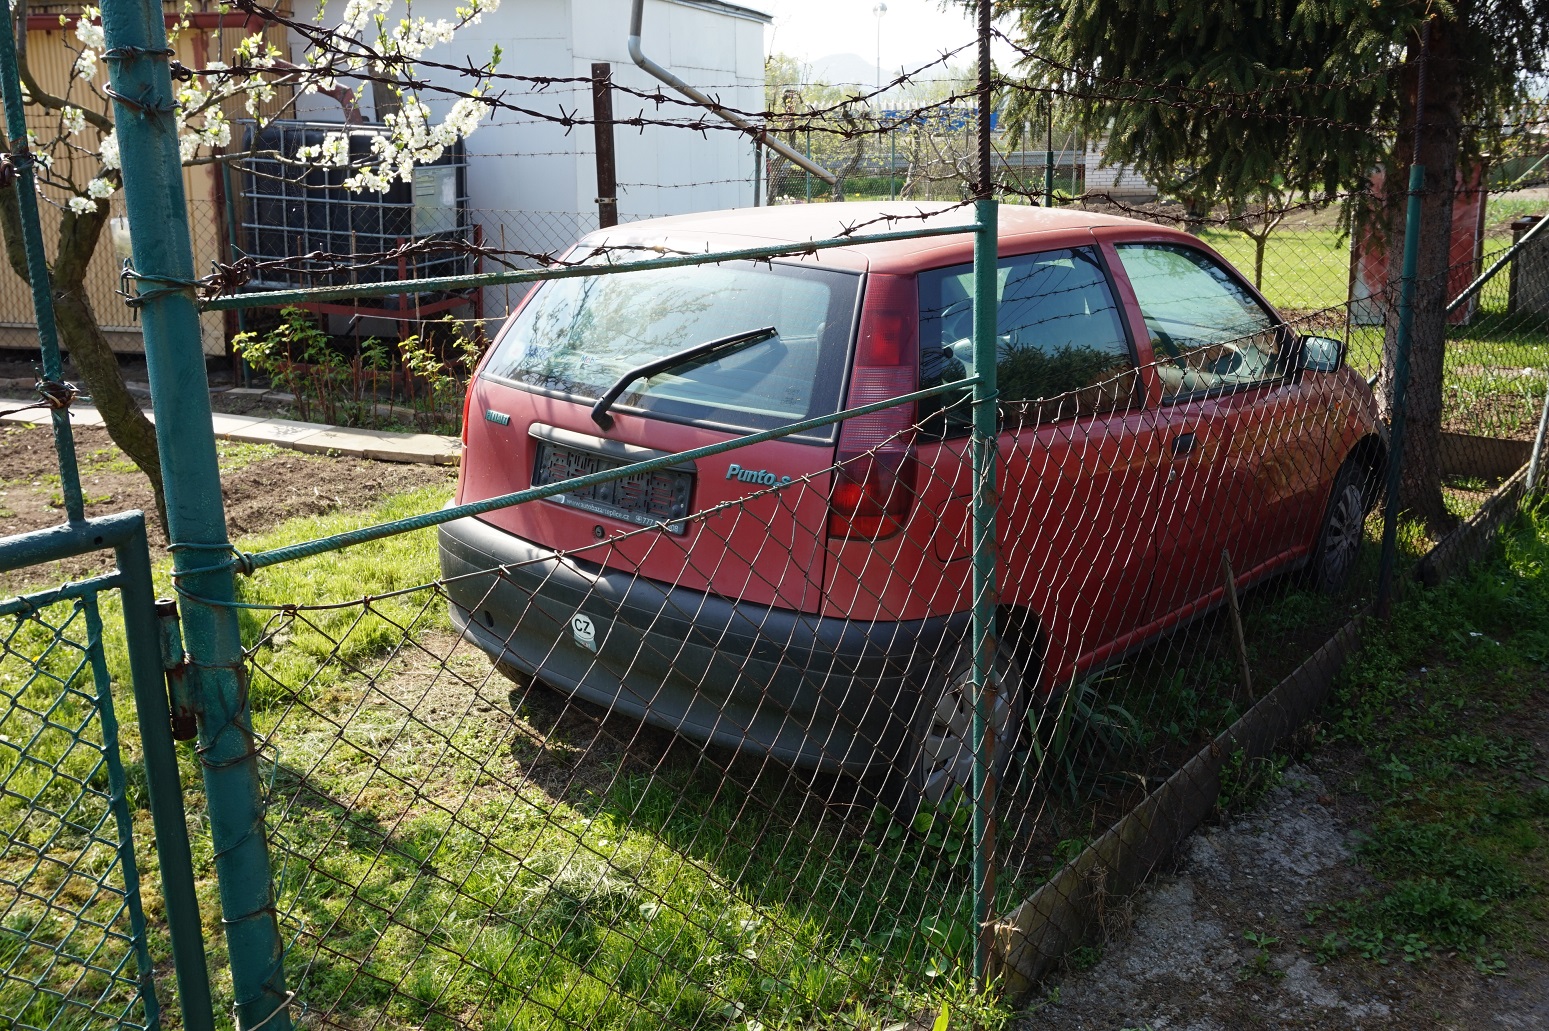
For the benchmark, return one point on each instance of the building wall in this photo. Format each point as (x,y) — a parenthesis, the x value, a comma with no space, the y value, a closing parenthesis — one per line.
(532,183)
(50,58)
(1119,181)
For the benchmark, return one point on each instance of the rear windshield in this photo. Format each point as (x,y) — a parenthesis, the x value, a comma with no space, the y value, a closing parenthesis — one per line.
(576,337)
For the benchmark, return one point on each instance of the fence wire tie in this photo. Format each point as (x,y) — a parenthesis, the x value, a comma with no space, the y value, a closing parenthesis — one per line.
(139,298)
(130,53)
(237,561)
(55,395)
(290,997)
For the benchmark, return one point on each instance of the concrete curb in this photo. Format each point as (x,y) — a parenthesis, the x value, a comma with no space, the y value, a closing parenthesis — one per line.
(315,437)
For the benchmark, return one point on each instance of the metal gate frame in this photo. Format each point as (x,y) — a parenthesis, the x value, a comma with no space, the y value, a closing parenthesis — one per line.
(151,653)
(124,533)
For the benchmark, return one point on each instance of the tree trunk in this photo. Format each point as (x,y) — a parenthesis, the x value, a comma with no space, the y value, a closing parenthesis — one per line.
(1440,128)
(80,336)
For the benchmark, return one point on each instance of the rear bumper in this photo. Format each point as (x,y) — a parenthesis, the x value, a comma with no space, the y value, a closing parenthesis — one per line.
(818,692)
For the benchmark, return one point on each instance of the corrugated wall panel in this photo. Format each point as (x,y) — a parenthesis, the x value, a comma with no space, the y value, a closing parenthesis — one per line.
(51,54)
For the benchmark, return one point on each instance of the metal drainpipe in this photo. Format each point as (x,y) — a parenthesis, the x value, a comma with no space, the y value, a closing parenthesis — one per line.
(636,18)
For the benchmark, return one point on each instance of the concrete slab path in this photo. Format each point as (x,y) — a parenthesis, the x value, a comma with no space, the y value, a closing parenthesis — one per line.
(379,445)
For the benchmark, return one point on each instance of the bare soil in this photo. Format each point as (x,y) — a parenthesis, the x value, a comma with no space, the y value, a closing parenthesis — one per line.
(262,486)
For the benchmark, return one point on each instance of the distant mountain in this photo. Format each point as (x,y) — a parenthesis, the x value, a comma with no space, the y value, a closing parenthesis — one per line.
(846,70)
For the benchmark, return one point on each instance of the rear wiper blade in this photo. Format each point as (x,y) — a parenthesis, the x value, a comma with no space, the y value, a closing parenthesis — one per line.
(736,341)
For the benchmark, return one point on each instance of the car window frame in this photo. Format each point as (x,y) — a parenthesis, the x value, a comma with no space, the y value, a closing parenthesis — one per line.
(1277,321)
(1139,394)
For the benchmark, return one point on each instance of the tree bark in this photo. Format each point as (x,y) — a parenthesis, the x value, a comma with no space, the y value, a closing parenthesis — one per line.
(1439,127)
(80,336)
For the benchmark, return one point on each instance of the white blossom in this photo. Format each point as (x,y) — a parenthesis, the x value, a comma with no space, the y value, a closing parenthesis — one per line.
(72,120)
(86,64)
(107,150)
(359,13)
(89,29)
(412,140)
(83,205)
(100,189)
(191,97)
(334,151)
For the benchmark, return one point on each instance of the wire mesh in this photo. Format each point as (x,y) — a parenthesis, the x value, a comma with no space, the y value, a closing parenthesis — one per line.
(614,759)
(73,950)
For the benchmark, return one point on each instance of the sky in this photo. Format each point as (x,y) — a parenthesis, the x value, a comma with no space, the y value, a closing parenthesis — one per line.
(913,32)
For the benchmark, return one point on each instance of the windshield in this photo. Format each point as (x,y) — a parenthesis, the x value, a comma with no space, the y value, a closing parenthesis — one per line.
(576,337)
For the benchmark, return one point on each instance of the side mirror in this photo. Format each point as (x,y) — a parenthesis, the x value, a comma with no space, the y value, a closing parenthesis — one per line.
(1321,354)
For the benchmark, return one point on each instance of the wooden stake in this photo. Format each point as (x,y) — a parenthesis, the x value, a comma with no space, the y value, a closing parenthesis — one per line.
(1237,634)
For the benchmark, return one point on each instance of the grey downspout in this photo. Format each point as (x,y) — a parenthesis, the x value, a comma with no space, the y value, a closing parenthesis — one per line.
(636,17)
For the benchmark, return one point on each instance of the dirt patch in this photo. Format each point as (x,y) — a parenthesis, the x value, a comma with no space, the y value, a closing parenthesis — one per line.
(263,486)
(1180,955)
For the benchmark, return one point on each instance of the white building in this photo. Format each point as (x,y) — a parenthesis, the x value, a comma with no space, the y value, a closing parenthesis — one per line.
(532,183)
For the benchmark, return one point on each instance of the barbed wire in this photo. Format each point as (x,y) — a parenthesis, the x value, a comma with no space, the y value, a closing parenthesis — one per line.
(838,119)
(229,277)
(1213,93)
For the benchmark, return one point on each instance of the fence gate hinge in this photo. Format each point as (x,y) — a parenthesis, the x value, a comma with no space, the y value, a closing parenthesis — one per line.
(174,661)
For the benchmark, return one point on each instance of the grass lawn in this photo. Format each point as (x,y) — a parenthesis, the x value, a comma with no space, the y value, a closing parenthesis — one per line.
(1304,269)
(1442,723)
(451,850)
(455,846)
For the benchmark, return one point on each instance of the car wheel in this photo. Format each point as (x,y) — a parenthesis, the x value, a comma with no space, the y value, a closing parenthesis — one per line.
(941,757)
(1338,547)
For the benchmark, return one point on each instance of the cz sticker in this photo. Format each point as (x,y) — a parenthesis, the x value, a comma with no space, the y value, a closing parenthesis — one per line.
(584,631)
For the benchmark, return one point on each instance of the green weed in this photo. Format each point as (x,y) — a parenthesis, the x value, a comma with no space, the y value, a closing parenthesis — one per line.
(1245,781)
(1457,844)
(1073,744)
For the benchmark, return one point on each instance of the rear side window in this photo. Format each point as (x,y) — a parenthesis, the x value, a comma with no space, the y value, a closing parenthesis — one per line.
(576,337)
(1061,349)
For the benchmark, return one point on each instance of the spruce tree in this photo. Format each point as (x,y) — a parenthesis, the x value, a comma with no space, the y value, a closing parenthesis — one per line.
(1312,96)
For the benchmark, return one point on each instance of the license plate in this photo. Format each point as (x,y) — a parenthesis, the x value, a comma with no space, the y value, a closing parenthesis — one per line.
(644,499)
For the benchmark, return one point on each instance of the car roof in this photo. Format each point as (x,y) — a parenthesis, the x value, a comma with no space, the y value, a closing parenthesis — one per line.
(740,228)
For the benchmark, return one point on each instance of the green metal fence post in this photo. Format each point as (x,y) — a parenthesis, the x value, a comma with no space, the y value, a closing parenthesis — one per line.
(986,500)
(37,269)
(137,57)
(163,784)
(1406,318)
(112,758)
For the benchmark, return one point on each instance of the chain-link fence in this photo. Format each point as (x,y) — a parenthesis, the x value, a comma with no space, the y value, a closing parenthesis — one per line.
(73,946)
(832,630)
(692,745)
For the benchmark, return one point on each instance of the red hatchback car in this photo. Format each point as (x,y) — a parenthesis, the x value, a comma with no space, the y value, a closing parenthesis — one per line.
(808,597)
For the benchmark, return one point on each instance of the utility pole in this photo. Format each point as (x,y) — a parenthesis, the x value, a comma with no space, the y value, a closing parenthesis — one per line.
(602,127)
(1048,154)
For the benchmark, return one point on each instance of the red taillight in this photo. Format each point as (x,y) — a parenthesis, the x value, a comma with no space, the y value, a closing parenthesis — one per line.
(873,488)
(467,407)
(462,459)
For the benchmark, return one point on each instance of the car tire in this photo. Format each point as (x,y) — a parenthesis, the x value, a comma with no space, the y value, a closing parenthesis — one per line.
(1337,550)
(936,764)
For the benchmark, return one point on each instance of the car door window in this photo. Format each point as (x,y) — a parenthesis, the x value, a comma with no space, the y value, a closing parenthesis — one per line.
(1061,349)
(1207,330)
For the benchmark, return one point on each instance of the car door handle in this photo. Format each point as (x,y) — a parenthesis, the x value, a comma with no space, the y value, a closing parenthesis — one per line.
(1183,445)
